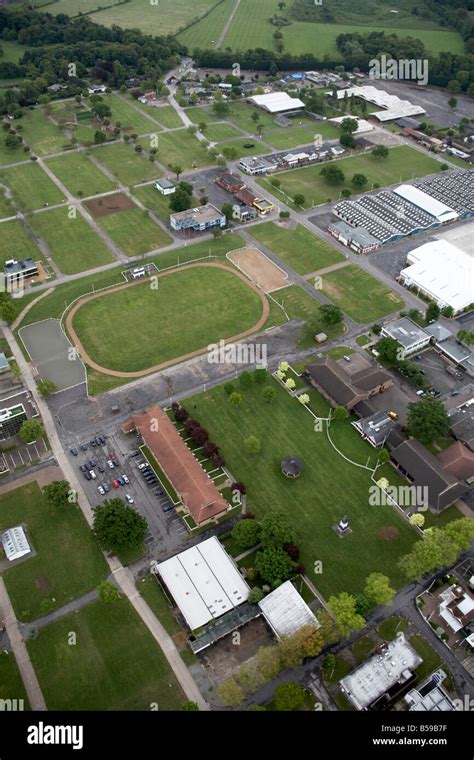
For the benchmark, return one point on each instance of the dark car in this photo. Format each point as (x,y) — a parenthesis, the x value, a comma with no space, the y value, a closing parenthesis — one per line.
(83,468)
(135,454)
(121,481)
(102,440)
(93,463)
(106,487)
(83,447)
(167,508)
(73,452)
(115,462)
(87,475)
(98,440)
(93,444)
(101,468)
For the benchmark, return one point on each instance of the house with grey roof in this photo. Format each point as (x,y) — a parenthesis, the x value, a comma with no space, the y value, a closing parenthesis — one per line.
(412,337)
(342,389)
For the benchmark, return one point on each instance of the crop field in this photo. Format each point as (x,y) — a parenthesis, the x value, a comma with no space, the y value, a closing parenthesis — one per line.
(170,321)
(344,288)
(129,167)
(297,247)
(134,231)
(79,175)
(74,245)
(31,187)
(402,164)
(16,243)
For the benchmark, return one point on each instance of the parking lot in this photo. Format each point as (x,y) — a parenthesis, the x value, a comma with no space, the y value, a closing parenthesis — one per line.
(434,368)
(166,531)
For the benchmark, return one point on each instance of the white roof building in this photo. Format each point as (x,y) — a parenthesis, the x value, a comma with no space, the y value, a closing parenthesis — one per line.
(204,581)
(394,107)
(362,124)
(427,203)
(443,272)
(15,543)
(277,102)
(286,611)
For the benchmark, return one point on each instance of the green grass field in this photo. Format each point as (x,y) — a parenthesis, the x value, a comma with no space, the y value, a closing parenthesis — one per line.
(128,166)
(41,134)
(155,201)
(180,307)
(74,245)
(154,596)
(6,207)
(206,33)
(180,148)
(166,115)
(345,286)
(298,304)
(291,137)
(131,118)
(241,115)
(134,231)
(79,175)
(198,115)
(16,243)
(402,164)
(10,155)
(115,664)
(329,488)
(257,148)
(31,187)
(297,247)
(68,562)
(11,685)
(220,132)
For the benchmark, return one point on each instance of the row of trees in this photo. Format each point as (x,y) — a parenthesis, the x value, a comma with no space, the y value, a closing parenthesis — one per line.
(440,547)
(198,434)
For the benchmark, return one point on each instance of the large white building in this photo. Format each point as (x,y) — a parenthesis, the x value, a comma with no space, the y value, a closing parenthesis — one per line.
(427,203)
(15,544)
(286,611)
(204,582)
(393,107)
(277,102)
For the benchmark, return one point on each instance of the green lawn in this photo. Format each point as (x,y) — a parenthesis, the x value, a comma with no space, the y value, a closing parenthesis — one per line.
(6,208)
(329,488)
(241,115)
(362,648)
(31,187)
(115,664)
(297,247)
(402,164)
(219,132)
(180,307)
(11,155)
(74,245)
(291,137)
(128,166)
(180,148)
(298,304)
(155,201)
(431,660)
(205,34)
(389,628)
(345,288)
(162,19)
(199,115)
(80,176)
(11,685)
(68,562)
(16,243)
(134,231)
(256,148)
(130,117)
(151,591)
(166,115)
(41,134)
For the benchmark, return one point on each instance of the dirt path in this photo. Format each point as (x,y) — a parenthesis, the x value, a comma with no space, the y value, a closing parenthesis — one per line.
(141,373)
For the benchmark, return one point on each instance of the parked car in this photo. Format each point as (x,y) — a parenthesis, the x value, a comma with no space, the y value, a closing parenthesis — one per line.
(106,487)
(135,454)
(347,359)
(121,481)
(126,478)
(129,499)
(83,468)
(101,490)
(93,444)
(73,452)
(101,468)
(93,463)
(102,440)
(167,508)
(92,474)
(110,464)
(98,440)
(87,475)
(83,446)
(115,462)
(112,454)
(116,484)
(143,465)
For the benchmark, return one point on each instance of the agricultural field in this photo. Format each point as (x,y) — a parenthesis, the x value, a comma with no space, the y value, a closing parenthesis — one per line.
(79,175)
(402,164)
(41,134)
(297,247)
(115,665)
(51,578)
(74,245)
(344,288)
(134,232)
(16,243)
(329,488)
(31,187)
(179,306)
(129,167)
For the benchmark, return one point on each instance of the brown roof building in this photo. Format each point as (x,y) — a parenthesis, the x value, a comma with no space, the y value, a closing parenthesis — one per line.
(230,182)
(458,460)
(341,389)
(192,484)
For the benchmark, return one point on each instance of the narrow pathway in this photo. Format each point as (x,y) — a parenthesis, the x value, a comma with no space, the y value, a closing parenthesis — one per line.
(327,270)
(25,311)
(25,666)
(55,615)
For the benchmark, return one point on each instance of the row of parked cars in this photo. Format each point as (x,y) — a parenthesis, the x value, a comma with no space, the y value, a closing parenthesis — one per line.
(99,440)
(151,480)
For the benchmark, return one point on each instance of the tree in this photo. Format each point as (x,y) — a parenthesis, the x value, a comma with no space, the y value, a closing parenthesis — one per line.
(390,350)
(378,588)
(434,551)
(333,174)
(181,200)
(274,564)
(299,199)
(268,662)
(245,380)
(359,180)
(380,151)
(289,697)
(343,607)
(269,394)
(427,420)
(30,431)
(255,596)
(221,108)
(12,141)
(229,388)
(276,529)
(189,707)
(452,102)
(108,592)
(235,399)
(461,532)
(46,387)
(246,533)
(253,444)
(330,315)
(99,137)
(349,125)
(340,413)
(417,519)
(290,383)
(260,375)
(118,526)
(57,493)
(384,456)
(249,677)
(291,652)
(432,312)
(177,171)
(228,211)
(101,110)
(347,140)
(8,311)
(230,693)
(304,399)
(311,640)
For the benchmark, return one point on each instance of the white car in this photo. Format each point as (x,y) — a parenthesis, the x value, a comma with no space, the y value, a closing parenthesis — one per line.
(129,498)
(101,490)
(126,478)
(92,474)
(110,464)
(142,465)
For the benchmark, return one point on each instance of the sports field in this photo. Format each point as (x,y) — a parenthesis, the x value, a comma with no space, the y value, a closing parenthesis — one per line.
(189,310)
(402,164)
(31,187)
(329,488)
(116,664)
(74,245)
(79,175)
(345,286)
(52,578)
(297,247)
(16,243)
(134,231)
(128,166)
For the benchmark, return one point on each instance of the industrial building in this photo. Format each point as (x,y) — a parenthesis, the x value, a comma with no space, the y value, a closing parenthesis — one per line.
(278,102)
(392,106)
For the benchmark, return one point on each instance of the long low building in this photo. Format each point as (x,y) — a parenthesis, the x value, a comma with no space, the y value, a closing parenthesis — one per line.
(198,219)
(277,102)
(204,581)
(393,107)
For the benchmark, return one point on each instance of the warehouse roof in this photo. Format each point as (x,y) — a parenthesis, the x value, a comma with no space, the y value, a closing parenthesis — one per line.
(426,202)
(277,102)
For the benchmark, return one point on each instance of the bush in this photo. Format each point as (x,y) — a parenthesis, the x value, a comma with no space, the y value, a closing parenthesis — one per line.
(255,596)
(229,388)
